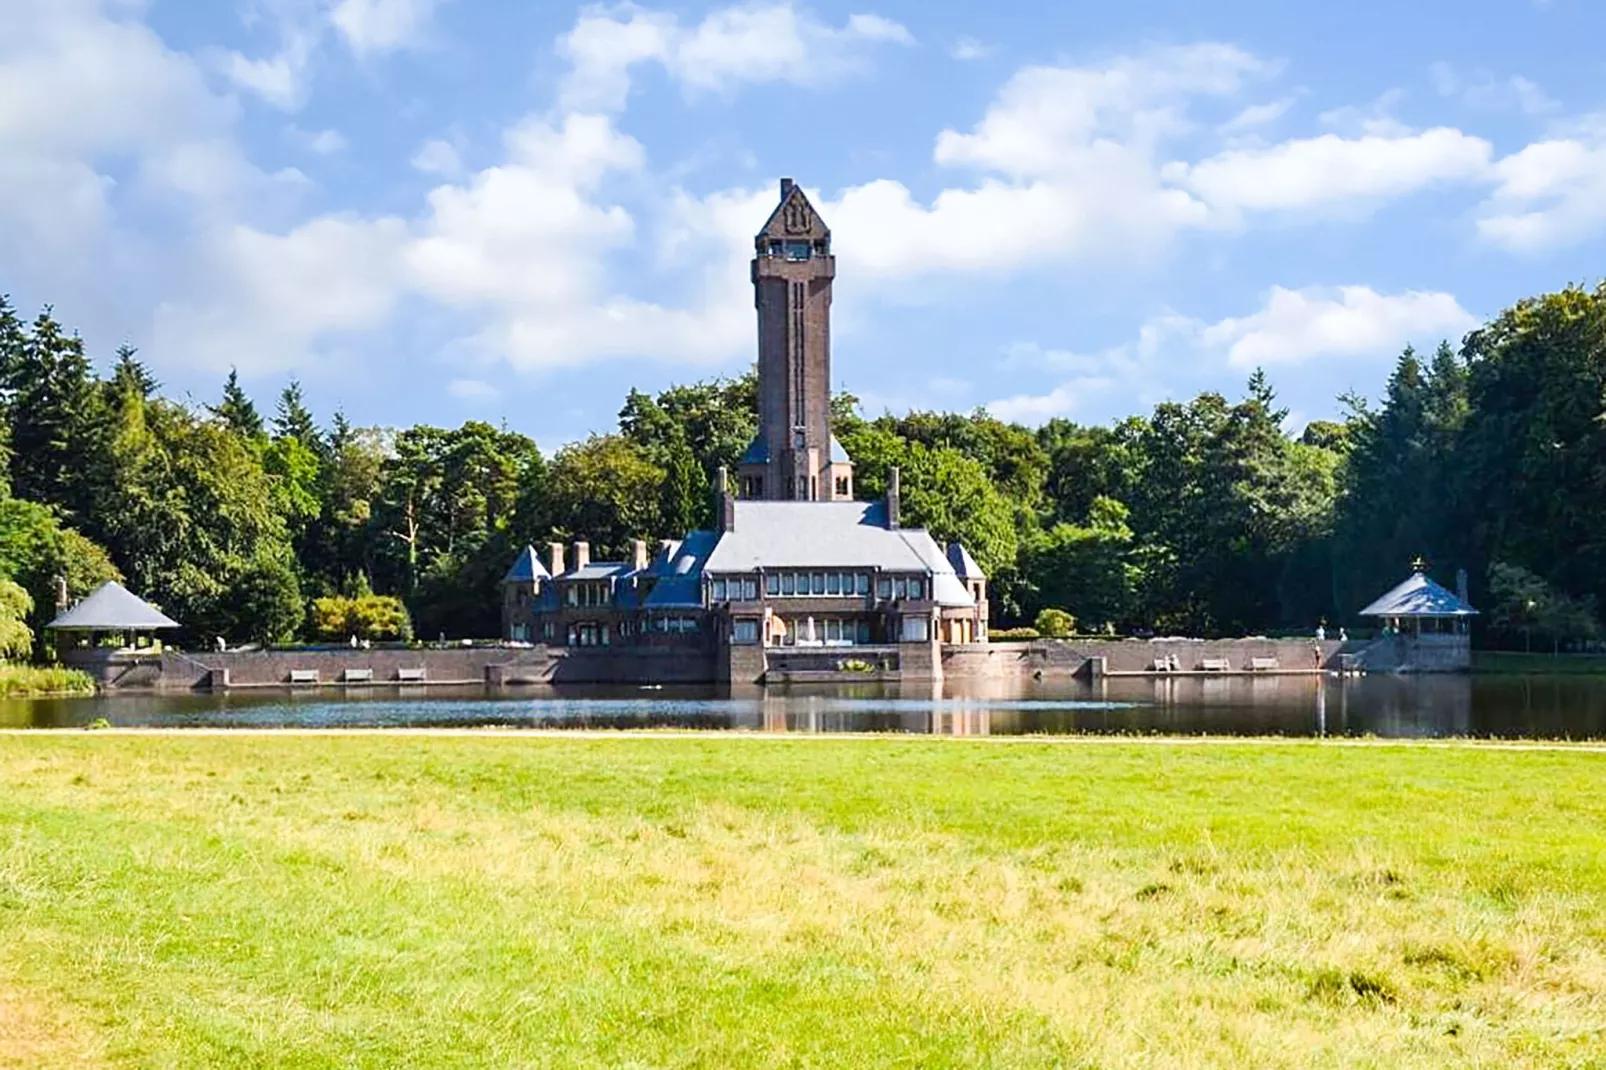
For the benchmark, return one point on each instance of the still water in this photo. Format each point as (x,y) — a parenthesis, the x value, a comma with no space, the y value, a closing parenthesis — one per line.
(1532,707)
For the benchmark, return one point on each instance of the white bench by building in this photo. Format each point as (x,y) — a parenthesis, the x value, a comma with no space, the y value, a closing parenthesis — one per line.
(303,676)
(359,676)
(410,676)
(1263,664)
(1215,665)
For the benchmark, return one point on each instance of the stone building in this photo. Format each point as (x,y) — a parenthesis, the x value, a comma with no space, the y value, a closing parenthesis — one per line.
(796,571)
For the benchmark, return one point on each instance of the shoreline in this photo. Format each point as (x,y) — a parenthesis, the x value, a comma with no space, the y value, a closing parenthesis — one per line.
(624,734)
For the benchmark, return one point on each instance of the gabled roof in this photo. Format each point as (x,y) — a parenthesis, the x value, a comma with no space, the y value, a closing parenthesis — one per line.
(965,566)
(112,608)
(794,217)
(783,534)
(527,568)
(1419,597)
(946,588)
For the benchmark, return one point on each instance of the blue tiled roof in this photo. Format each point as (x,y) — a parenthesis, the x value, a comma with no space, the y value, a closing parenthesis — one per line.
(758,452)
(1419,597)
(679,572)
(527,568)
(965,566)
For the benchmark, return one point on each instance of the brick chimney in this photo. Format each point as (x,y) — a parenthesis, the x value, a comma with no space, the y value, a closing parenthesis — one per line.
(638,555)
(786,187)
(554,552)
(724,502)
(582,555)
(894,497)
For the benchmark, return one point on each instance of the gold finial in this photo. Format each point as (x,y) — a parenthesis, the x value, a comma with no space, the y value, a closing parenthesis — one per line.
(1419,565)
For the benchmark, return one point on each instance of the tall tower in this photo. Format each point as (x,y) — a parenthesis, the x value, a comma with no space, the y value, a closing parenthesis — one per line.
(794,456)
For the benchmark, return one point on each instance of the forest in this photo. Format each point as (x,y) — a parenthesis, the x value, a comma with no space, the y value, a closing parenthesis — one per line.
(264,523)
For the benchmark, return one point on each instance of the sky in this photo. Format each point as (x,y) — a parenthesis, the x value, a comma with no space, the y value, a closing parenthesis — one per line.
(440,210)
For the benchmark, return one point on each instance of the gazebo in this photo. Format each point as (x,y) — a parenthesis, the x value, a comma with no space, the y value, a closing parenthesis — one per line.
(1420,607)
(111,610)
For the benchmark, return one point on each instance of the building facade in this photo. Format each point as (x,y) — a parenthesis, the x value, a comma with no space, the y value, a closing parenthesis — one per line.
(796,569)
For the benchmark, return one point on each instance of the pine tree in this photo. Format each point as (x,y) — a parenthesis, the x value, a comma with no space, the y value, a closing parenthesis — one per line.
(56,419)
(236,410)
(293,420)
(130,373)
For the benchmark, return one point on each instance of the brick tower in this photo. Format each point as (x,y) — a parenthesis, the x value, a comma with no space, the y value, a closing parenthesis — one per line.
(794,456)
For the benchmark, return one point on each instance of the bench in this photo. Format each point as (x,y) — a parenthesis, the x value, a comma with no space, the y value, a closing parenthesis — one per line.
(303,676)
(1262,664)
(410,676)
(359,676)
(1215,665)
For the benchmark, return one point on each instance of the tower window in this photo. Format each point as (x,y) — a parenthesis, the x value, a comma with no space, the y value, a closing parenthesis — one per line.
(797,250)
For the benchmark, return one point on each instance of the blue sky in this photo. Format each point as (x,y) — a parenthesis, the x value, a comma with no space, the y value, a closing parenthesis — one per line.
(432,210)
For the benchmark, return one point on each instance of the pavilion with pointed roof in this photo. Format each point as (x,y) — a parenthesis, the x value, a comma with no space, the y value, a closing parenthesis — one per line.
(1420,605)
(111,610)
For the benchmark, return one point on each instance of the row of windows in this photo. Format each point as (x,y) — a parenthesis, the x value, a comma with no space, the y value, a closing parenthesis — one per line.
(602,634)
(589,593)
(828,584)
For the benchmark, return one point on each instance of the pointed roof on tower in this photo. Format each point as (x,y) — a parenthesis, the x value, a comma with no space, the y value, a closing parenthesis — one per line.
(794,217)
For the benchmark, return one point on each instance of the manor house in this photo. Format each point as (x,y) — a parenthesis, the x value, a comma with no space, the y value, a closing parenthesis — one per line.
(797,574)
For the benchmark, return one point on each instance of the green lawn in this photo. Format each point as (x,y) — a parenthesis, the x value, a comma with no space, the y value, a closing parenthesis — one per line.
(1505,661)
(401,900)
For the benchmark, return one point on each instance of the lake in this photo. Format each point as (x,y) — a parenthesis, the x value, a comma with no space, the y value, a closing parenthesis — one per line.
(1527,707)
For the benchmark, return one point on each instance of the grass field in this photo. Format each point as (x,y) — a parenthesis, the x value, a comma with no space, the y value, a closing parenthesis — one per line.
(397,900)
(1505,661)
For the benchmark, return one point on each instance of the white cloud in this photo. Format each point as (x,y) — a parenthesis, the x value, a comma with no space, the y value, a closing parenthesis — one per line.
(320,142)
(969,48)
(1375,119)
(526,243)
(472,390)
(279,80)
(263,301)
(1311,172)
(370,26)
(282,80)
(765,42)
(1294,326)
(1054,120)
(1257,115)
(437,157)
(1067,156)
(1485,92)
(1291,327)
(1549,194)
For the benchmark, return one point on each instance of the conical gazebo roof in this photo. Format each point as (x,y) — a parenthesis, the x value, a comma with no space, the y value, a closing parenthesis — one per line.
(1419,597)
(112,608)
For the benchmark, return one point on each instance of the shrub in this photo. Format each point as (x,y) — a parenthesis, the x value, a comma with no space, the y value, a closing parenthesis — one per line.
(16,638)
(372,616)
(1055,624)
(1004,635)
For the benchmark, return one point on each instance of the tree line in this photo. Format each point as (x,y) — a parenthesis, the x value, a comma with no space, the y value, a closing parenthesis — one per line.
(1204,517)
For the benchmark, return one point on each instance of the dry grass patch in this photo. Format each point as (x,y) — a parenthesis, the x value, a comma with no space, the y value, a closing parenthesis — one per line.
(375,901)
